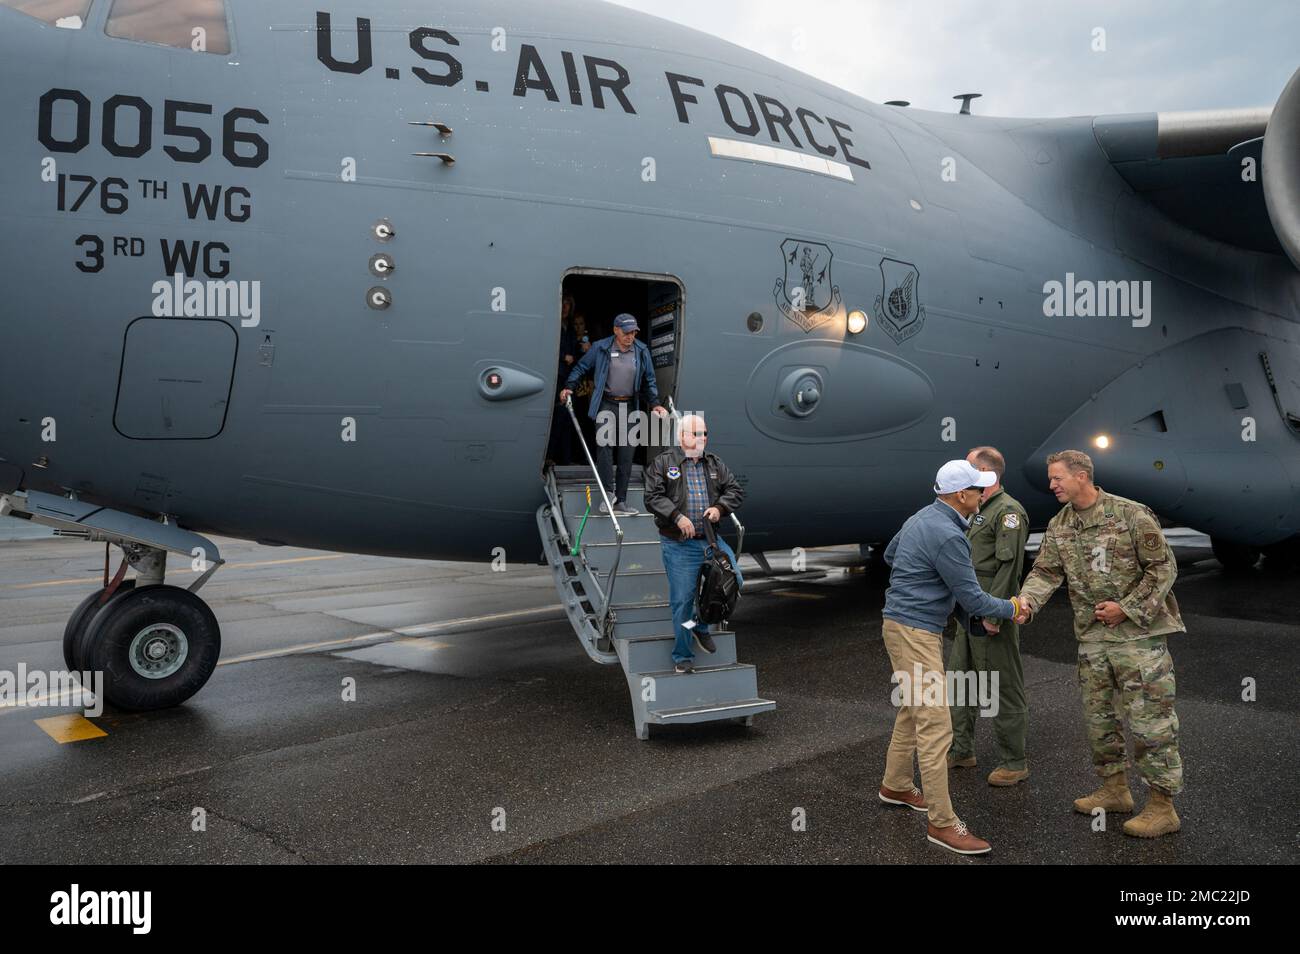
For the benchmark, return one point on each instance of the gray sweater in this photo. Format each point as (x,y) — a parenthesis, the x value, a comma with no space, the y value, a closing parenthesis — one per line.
(931,570)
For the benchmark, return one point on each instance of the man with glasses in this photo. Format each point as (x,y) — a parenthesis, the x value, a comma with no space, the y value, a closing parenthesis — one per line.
(685,486)
(931,571)
(624,378)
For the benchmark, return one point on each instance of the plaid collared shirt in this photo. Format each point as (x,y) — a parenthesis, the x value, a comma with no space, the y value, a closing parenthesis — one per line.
(697,491)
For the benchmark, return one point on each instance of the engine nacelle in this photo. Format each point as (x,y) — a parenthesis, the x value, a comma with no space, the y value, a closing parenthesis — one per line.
(1280,169)
(1206,432)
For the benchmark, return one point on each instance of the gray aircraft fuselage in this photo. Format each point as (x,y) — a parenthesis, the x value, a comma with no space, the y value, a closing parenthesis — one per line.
(585,137)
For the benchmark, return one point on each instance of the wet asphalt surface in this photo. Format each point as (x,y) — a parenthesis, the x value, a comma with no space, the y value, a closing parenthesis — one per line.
(496,739)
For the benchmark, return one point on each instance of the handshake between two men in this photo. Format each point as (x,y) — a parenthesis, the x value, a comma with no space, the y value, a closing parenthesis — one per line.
(1107,612)
(967,548)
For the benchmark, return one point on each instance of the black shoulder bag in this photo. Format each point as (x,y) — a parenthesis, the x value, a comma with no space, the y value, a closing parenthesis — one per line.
(718,589)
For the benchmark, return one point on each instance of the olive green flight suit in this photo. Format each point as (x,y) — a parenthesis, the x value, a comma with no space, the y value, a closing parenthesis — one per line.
(997,537)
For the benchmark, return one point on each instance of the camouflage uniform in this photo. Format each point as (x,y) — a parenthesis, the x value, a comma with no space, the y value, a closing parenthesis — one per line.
(997,537)
(1115,550)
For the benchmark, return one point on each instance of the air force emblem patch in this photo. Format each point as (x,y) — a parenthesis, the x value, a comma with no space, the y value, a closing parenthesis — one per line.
(898,306)
(806,295)
(1011,521)
(674,473)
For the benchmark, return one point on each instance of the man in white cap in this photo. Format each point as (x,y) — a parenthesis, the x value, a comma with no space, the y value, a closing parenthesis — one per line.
(930,571)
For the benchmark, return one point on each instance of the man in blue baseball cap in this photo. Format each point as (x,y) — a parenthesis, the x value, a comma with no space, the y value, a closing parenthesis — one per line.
(624,377)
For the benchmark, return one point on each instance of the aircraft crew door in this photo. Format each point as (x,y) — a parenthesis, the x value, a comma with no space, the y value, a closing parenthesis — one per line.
(591,299)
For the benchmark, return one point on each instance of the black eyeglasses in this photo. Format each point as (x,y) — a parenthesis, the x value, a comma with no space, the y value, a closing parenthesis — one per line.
(698,433)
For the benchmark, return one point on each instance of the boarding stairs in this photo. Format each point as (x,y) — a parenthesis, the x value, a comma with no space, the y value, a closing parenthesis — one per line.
(615,593)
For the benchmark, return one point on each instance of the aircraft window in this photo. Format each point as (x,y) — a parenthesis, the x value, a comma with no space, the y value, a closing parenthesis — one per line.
(69,14)
(190,24)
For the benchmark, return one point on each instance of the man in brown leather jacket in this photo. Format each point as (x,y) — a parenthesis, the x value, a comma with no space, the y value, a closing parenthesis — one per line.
(684,486)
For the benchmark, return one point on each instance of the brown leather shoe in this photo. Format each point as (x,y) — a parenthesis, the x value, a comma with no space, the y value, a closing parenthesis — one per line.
(957,838)
(965,761)
(913,799)
(1002,776)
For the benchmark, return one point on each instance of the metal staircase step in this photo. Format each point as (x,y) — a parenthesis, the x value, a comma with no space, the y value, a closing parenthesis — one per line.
(575,498)
(637,555)
(637,587)
(660,613)
(656,624)
(654,653)
(711,712)
(707,685)
(600,528)
(634,605)
(569,474)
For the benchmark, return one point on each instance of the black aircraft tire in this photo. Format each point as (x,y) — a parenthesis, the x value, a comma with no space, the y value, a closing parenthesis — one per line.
(1284,555)
(79,620)
(163,630)
(1235,557)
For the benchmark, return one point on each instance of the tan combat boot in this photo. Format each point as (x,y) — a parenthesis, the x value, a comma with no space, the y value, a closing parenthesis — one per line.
(1004,777)
(1158,818)
(1113,796)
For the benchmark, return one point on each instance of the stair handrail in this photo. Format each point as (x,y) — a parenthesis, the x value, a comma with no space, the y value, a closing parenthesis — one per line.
(557,507)
(740,527)
(606,597)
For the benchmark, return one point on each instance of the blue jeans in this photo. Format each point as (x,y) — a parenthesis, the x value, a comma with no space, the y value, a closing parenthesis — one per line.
(682,562)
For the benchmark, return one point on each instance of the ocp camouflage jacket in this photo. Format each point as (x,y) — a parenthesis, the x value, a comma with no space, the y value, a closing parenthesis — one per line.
(1116,551)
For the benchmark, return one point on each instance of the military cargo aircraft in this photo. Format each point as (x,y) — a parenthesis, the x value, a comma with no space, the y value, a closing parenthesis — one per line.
(292,272)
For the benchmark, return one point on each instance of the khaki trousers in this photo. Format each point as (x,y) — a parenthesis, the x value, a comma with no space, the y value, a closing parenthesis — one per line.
(923,731)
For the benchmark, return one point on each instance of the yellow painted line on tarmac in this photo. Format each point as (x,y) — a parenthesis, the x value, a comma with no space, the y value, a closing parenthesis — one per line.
(178,570)
(310,559)
(70,728)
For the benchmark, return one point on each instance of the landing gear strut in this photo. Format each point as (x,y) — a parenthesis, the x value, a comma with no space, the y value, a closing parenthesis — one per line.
(155,644)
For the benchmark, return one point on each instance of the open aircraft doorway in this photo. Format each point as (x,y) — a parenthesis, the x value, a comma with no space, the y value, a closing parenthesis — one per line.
(590,300)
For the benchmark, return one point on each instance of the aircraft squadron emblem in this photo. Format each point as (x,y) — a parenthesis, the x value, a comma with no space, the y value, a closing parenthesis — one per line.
(806,294)
(898,306)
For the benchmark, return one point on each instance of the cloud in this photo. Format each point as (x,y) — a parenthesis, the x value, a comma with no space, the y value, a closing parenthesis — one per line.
(1027,59)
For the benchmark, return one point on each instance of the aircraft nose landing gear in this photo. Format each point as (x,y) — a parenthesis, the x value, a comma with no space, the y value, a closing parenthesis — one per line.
(156,645)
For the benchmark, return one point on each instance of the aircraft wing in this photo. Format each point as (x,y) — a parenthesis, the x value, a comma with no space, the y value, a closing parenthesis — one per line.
(1230,174)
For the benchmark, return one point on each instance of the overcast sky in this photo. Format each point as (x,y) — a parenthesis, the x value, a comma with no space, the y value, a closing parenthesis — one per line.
(1027,58)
